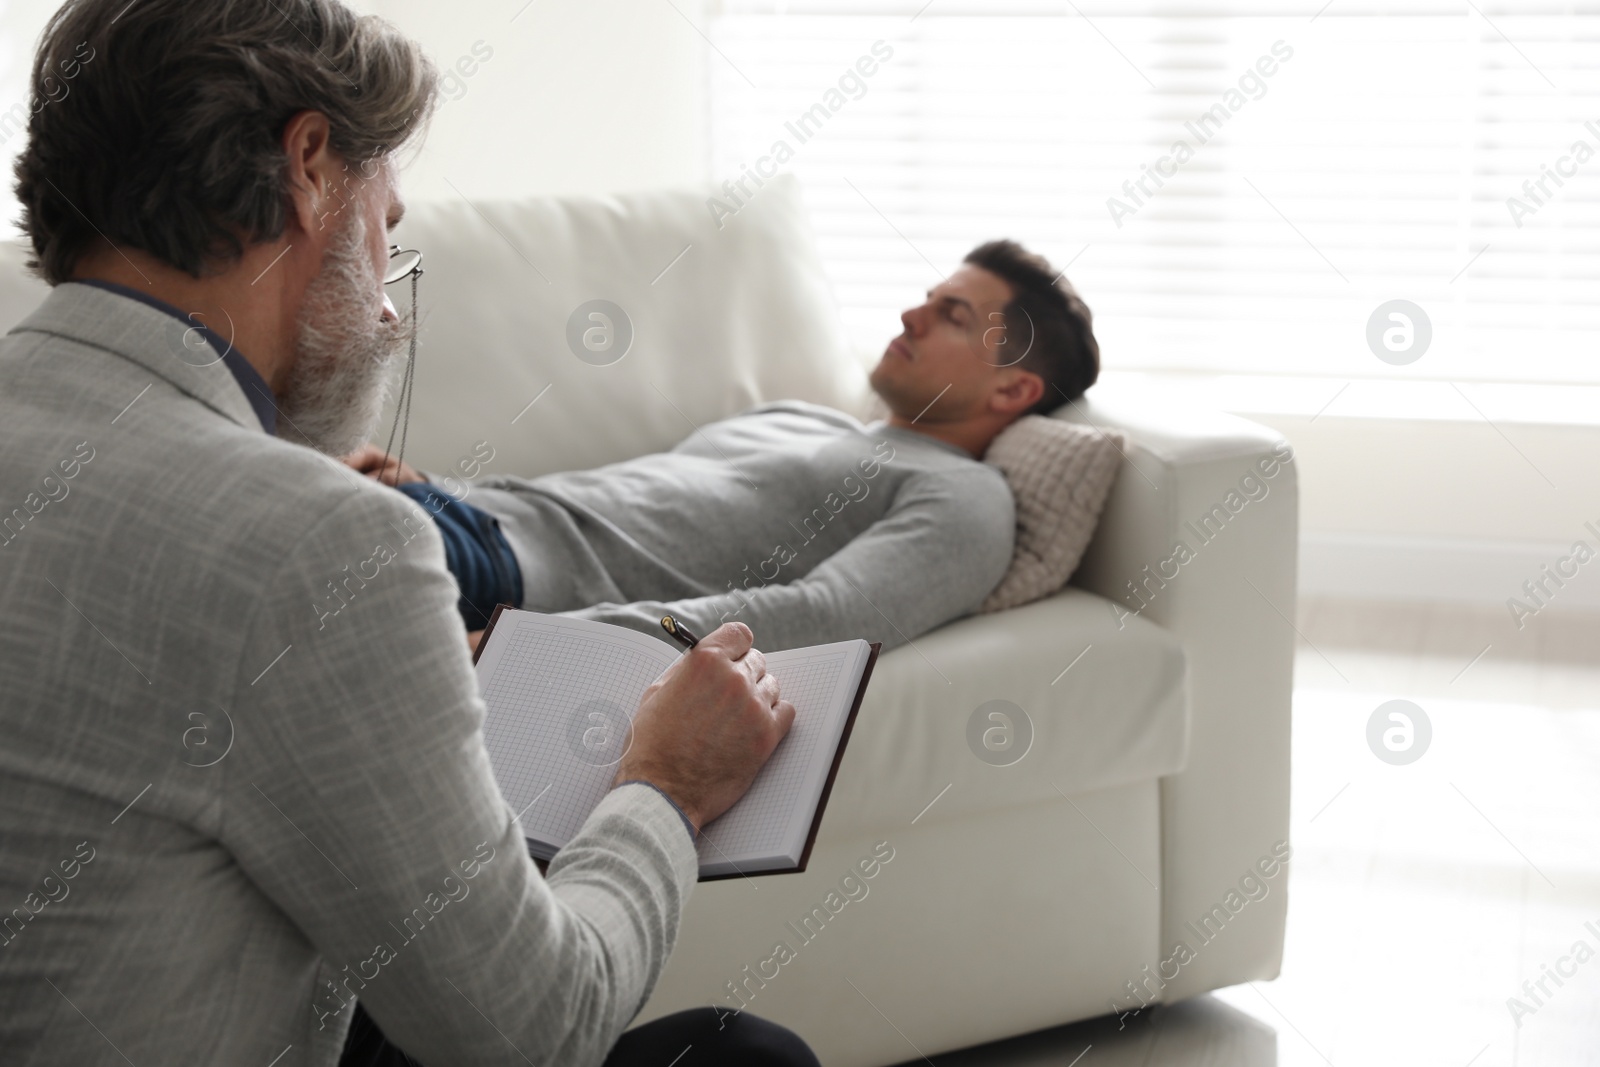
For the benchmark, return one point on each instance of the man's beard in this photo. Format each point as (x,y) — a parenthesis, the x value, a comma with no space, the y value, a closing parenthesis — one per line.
(345,350)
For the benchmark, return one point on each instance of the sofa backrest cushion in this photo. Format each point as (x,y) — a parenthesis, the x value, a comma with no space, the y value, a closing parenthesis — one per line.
(20,292)
(720,319)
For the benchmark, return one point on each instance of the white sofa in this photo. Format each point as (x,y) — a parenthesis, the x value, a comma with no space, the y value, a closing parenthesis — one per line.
(1018,897)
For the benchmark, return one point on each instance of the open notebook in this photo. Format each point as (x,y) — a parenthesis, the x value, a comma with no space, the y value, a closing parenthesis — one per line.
(561,694)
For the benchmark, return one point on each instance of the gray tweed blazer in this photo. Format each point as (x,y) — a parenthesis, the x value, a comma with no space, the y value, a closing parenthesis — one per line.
(241,752)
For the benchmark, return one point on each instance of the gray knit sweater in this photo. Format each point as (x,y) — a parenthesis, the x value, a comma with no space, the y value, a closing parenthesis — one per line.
(796,519)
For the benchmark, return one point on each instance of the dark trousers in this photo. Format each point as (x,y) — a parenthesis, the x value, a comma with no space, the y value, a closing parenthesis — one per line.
(694,1035)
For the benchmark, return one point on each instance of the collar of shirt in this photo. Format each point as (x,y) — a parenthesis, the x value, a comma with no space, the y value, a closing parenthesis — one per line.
(255,387)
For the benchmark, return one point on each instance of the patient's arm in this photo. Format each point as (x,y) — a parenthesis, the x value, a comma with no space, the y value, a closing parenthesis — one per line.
(934,557)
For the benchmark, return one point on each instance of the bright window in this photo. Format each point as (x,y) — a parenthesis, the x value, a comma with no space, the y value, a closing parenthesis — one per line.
(1331,162)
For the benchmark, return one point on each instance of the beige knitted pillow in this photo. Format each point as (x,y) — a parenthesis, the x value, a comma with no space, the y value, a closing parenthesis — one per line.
(1060,474)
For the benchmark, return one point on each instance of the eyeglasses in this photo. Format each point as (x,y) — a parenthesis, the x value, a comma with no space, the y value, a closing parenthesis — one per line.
(403,263)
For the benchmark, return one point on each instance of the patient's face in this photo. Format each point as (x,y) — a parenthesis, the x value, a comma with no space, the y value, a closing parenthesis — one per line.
(948,355)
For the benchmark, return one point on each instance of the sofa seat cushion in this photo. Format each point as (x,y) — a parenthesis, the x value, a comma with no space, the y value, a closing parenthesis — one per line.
(1119,714)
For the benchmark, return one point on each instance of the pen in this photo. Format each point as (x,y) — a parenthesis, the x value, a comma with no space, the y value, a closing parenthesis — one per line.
(679,631)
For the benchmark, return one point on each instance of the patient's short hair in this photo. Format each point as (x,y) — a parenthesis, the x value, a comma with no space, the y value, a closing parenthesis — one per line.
(1063,350)
(158,123)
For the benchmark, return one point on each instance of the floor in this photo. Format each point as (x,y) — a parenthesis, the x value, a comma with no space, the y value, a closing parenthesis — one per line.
(1423,894)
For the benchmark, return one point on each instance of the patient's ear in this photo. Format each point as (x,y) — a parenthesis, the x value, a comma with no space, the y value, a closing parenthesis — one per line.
(1016,391)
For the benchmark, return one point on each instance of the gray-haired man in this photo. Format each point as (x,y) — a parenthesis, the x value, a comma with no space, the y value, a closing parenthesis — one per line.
(225,824)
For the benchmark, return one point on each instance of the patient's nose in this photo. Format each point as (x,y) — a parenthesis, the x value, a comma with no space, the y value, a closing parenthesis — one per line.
(911,319)
(389,312)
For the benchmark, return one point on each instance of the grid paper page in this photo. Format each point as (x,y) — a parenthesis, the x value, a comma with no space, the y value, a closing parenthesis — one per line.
(772,819)
(560,695)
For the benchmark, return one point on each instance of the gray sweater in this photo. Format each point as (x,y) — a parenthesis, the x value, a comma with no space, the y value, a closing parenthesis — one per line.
(792,518)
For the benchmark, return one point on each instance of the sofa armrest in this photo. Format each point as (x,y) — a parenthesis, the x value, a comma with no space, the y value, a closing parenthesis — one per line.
(1200,535)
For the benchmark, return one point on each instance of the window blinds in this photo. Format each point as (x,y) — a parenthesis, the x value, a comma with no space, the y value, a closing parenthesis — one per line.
(1232,188)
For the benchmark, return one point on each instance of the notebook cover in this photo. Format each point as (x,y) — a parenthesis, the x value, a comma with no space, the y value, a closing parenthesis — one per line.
(827,786)
(487,630)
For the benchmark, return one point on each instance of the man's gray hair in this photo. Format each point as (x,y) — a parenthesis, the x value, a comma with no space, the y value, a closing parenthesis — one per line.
(157,123)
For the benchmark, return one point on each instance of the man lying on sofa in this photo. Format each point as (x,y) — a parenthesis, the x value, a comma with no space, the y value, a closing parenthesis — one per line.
(792,518)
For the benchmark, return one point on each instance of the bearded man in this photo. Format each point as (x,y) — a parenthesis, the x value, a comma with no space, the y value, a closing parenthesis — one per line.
(228,816)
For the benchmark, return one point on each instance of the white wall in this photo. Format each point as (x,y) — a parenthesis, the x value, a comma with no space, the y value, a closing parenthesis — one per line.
(1454,511)
(576,96)
(580,96)
(20,23)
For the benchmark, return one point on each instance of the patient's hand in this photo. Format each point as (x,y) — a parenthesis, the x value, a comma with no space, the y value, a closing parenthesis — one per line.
(370,460)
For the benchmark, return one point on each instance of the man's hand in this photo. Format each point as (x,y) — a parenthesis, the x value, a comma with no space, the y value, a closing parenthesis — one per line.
(370,460)
(708,725)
